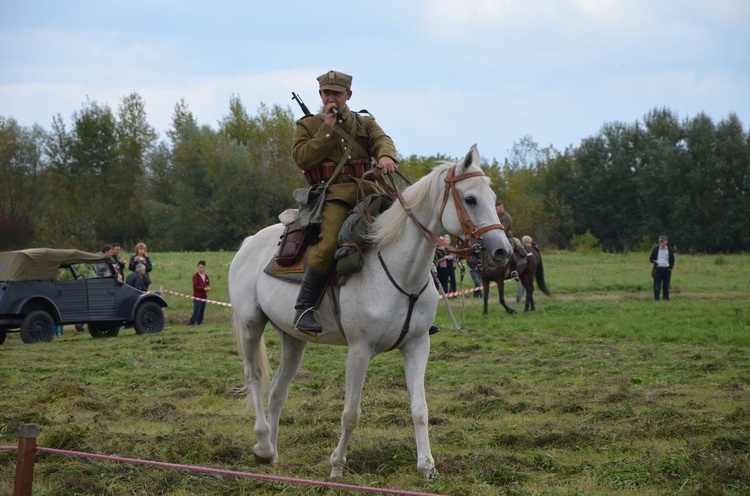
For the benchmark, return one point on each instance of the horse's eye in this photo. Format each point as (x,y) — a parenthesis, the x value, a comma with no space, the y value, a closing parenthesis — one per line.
(470,200)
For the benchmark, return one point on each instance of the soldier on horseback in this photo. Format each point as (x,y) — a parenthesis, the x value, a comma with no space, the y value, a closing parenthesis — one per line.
(518,249)
(340,144)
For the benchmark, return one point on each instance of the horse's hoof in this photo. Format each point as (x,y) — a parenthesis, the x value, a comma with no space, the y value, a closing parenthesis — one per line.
(337,472)
(430,475)
(262,460)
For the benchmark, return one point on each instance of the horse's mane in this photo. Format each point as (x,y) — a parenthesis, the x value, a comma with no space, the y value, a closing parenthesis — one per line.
(389,226)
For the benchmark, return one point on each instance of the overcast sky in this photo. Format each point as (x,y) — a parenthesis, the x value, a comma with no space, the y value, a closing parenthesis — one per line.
(438,75)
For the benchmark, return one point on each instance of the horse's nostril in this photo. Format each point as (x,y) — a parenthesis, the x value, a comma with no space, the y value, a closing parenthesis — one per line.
(500,254)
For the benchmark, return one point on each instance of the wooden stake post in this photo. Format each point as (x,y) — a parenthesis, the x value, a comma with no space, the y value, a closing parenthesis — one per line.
(26,452)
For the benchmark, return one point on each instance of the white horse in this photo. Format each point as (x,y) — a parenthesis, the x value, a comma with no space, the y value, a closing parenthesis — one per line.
(375,313)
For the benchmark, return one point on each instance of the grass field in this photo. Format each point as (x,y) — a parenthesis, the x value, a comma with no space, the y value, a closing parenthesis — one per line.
(600,391)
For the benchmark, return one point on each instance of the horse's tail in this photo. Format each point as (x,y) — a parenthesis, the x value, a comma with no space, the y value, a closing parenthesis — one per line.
(239,329)
(540,274)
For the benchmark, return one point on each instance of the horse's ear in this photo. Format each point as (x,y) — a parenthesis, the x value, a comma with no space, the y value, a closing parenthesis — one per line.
(471,158)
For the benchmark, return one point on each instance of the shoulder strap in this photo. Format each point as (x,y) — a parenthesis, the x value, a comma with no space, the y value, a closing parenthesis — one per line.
(339,166)
(351,141)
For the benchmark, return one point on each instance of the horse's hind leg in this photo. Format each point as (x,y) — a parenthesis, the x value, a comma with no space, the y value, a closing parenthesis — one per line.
(357,361)
(501,290)
(415,354)
(530,297)
(292,351)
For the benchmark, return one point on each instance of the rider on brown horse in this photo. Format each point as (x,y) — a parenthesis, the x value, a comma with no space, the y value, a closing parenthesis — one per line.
(518,249)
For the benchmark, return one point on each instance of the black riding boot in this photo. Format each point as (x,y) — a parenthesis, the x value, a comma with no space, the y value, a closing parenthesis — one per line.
(312,288)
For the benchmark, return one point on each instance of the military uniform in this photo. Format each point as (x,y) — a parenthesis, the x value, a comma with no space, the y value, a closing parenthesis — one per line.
(318,148)
(316,143)
(507,221)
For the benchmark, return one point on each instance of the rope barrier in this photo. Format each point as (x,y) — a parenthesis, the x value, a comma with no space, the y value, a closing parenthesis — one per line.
(233,473)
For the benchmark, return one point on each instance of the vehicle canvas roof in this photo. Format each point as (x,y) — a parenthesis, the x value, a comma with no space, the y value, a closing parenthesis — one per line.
(40,263)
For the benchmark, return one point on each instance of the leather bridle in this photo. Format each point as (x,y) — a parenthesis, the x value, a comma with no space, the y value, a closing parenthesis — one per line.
(471,243)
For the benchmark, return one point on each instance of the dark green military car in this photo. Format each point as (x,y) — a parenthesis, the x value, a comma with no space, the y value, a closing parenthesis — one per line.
(41,288)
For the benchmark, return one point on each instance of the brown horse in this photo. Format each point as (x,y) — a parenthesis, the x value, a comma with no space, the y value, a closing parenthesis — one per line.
(527,272)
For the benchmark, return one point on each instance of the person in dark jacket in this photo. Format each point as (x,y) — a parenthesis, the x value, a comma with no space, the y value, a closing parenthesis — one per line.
(136,280)
(663,259)
(140,257)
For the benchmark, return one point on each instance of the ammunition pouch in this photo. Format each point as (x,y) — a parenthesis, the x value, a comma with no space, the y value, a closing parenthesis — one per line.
(355,167)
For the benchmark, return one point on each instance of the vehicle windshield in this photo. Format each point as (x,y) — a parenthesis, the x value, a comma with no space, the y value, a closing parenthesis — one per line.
(83,271)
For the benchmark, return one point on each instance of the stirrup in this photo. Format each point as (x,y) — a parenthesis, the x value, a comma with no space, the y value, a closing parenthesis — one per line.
(514,275)
(318,329)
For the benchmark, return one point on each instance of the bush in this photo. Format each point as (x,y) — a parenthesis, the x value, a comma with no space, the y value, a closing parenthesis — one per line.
(585,243)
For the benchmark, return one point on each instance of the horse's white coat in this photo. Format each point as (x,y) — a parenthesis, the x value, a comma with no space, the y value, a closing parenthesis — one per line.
(373,311)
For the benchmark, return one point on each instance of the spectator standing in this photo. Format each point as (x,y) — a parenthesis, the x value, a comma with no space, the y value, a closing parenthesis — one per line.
(476,278)
(663,259)
(445,268)
(116,249)
(140,256)
(528,244)
(201,287)
(135,279)
(105,269)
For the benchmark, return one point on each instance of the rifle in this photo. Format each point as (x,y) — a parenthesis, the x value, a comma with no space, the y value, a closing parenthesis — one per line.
(302,105)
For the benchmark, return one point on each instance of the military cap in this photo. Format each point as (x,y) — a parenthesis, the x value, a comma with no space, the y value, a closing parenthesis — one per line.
(335,80)
(663,238)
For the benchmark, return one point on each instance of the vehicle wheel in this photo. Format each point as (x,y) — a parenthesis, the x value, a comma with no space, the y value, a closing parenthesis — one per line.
(149,318)
(104,329)
(37,326)
(3,332)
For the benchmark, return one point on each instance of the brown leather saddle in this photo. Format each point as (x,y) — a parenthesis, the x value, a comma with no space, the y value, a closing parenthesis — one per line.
(290,260)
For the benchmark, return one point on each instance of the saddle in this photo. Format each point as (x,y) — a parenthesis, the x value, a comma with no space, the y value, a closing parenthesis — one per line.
(290,260)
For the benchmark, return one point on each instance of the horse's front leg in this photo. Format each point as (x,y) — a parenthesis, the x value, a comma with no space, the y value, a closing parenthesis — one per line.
(485,294)
(415,354)
(357,361)
(292,351)
(253,352)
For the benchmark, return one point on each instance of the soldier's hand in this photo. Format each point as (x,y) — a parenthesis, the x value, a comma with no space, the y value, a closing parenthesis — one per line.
(386,165)
(329,117)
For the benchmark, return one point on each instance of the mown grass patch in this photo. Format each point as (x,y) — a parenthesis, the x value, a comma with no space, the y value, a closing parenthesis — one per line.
(598,392)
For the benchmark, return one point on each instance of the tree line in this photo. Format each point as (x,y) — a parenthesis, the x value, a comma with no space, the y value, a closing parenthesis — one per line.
(106,176)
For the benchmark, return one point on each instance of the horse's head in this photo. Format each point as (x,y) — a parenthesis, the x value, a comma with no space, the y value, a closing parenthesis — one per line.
(468,211)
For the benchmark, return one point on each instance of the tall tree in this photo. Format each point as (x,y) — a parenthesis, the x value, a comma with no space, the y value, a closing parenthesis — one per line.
(136,140)
(22,166)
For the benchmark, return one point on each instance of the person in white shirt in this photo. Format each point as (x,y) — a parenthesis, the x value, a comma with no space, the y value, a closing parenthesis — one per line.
(662,257)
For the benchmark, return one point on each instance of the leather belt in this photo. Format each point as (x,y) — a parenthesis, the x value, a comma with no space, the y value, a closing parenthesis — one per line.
(355,167)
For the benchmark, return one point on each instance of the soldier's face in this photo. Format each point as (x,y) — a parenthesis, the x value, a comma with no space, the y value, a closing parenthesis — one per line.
(338,98)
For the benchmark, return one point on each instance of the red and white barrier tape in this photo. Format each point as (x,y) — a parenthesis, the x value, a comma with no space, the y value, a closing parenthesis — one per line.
(221,303)
(470,290)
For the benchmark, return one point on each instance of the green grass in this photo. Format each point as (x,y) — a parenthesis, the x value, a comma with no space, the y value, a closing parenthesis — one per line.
(600,391)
